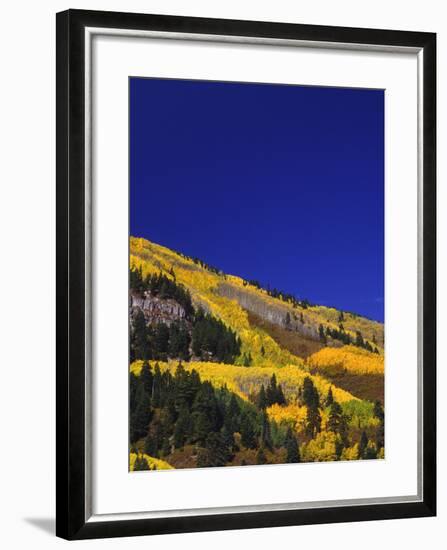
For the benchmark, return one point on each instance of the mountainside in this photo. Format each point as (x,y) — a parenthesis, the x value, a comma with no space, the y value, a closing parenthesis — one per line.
(238,336)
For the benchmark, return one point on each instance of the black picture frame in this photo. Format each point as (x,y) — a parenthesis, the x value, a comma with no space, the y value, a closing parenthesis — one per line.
(71,518)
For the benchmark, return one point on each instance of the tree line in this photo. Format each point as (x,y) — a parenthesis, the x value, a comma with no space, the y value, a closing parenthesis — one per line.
(279,294)
(343,336)
(169,411)
(207,337)
(163,287)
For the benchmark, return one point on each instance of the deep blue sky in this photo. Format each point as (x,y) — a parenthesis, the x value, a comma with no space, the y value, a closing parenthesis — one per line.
(283,184)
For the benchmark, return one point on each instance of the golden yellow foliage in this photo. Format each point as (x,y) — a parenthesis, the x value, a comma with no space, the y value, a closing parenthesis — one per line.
(290,414)
(153,258)
(159,464)
(350,453)
(351,359)
(321,449)
(247,380)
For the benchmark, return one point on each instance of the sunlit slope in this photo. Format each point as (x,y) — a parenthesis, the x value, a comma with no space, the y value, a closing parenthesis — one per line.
(356,370)
(154,463)
(203,285)
(347,359)
(234,301)
(247,381)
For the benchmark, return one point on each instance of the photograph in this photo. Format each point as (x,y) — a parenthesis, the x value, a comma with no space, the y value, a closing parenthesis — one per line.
(256,274)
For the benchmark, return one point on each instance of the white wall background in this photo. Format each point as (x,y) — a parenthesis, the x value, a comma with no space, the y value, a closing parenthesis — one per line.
(27,303)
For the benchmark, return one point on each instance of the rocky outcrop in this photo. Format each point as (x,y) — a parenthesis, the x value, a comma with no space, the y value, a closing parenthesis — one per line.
(277,314)
(155,309)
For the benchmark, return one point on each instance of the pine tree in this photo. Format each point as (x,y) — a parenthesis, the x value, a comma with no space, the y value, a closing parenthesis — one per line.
(311,400)
(156,387)
(291,445)
(140,463)
(233,415)
(266,436)
(248,438)
(161,340)
(335,418)
(272,391)
(359,339)
(330,397)
(260,456)
(262,399)
(370,452)
(363,445)
(313,421)
(141,416)
(146,377)
(139,341)
(218,453)
(182,428)
(310,394)
(380,433)
(133,386)
(280,397)
(228,439)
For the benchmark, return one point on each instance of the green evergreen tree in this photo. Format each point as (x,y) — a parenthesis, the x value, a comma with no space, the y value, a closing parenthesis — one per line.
(140,464)
(380,433)
(133,386)
(266,436)
(271,392)
(370,452)
(139,341)
(260,456)
(330,397)
(146,377)
(262,399)
(310,394)
(141,416)
(280,397)
(233,415)
(291,445)
(248,437)
(218,453)
(156,386)
(359,341)
(161,340)
(182,430)
(228,439)
(335,418)
(363,445)
(311,400)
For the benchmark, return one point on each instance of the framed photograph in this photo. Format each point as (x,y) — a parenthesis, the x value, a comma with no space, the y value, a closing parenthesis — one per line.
(246,272)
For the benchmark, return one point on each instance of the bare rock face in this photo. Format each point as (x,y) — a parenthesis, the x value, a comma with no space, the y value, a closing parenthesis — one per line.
(277,314)
(156,310)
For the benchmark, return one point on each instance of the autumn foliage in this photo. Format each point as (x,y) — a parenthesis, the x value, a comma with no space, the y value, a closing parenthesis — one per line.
(314,419)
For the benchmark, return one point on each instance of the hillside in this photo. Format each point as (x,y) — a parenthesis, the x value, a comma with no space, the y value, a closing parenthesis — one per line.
(236,335)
